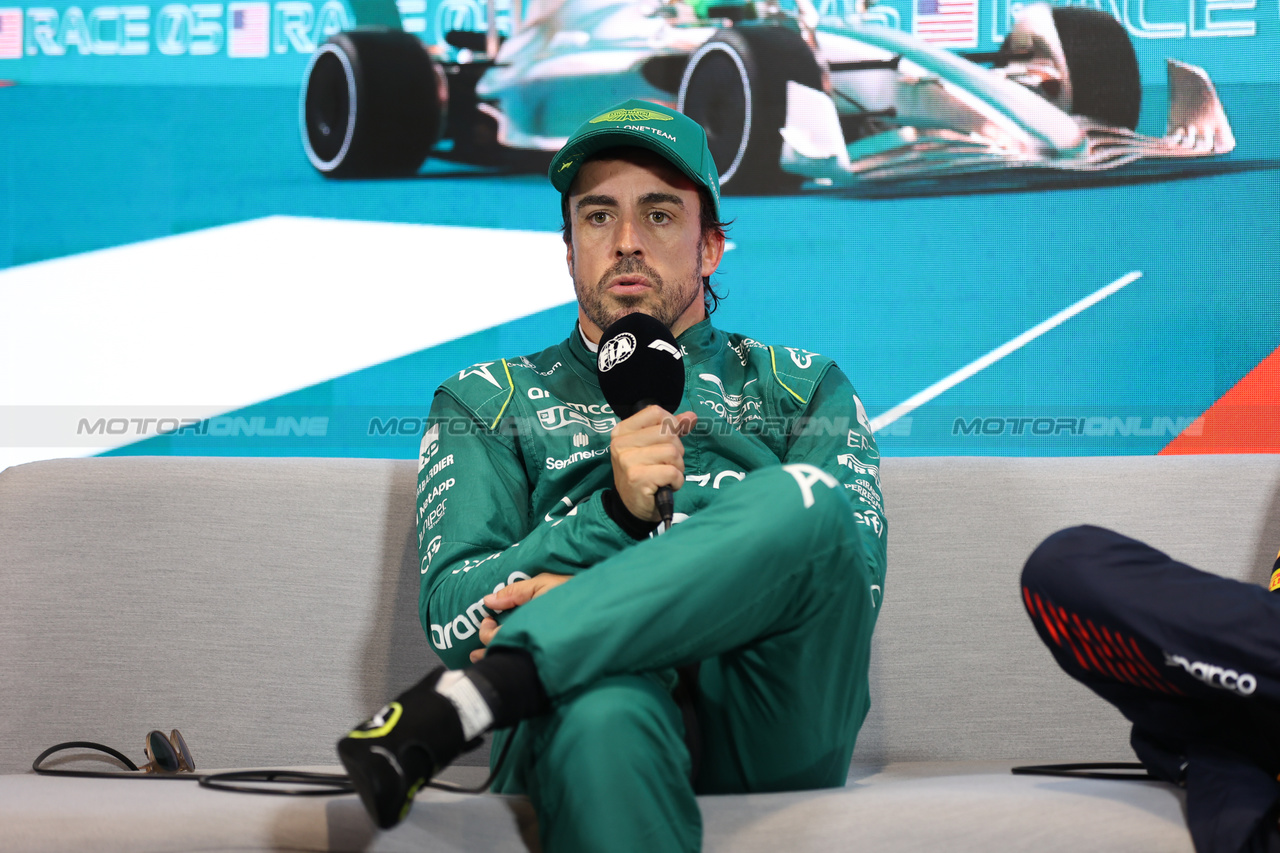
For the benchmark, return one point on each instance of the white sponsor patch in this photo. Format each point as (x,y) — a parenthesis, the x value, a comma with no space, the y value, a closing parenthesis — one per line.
(803,359)
(871,470)
(433,548)
(526,363)
(558,417)
(433,518)
(805,477)
(467,624)
(1241,683)
(870,519)
(440,466)
(438,491)
(863,443)
(430,444)
(481,370)
(734,408)
(554,464)
(865,495)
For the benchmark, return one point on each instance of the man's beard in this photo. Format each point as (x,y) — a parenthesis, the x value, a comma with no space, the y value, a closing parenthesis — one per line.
(663,302)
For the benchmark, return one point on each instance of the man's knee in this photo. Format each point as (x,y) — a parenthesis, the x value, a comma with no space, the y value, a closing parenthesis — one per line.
(803,502)
(1063,556)
(627,713)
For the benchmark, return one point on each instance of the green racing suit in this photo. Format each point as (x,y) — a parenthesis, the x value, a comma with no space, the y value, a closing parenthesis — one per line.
(770,581)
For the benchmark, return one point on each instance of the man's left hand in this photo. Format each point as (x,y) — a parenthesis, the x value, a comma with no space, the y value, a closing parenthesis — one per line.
(510,596)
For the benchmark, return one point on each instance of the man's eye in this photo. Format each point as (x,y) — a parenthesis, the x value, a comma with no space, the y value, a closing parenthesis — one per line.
(597,217)
(660,217)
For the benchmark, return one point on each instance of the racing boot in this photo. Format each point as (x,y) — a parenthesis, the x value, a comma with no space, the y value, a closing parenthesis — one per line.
(393,755)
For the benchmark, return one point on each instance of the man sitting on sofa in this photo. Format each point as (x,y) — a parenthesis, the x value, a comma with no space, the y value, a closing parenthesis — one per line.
(541,559)
(1190,658)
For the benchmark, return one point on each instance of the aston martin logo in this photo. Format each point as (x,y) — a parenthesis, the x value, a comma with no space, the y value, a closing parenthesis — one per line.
(631,115)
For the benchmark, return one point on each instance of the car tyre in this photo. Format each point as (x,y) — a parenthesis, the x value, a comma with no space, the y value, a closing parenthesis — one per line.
(1101,65)
(735,86)
(372,106)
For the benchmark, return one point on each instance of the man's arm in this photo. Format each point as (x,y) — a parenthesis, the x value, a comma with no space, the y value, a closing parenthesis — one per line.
(475,531)
(836,437)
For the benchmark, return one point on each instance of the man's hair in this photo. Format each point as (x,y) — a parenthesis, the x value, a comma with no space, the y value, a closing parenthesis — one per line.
(706,217)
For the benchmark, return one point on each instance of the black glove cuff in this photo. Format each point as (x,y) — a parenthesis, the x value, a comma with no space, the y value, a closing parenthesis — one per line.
(636,528)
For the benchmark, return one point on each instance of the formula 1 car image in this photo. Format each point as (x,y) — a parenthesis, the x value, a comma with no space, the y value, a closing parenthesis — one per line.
(785,95)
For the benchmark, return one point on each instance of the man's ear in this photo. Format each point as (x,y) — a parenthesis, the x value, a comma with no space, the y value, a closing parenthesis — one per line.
(568,257)
(712,251)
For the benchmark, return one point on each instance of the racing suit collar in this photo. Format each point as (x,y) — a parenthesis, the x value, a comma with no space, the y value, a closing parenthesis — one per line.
(699,342)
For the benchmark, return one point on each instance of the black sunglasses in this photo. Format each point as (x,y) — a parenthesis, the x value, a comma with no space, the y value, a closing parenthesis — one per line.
(167,754)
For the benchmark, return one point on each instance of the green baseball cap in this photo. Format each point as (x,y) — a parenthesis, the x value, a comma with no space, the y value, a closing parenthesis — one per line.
(667,132)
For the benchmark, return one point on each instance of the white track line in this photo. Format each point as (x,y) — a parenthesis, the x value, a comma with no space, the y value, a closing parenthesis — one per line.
(917,400)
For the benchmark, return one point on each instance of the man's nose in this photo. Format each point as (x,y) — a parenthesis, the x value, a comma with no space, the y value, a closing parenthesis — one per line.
(629,241)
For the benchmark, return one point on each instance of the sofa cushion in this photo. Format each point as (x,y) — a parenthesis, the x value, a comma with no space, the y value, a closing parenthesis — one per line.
(962,807)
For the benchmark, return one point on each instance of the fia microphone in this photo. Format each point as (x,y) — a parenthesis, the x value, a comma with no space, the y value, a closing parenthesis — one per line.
(640,364)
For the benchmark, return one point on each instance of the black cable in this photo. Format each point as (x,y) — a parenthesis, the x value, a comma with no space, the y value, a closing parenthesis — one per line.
(80,744)
(324,784)
(1088,770)
(493,774)
(98,774)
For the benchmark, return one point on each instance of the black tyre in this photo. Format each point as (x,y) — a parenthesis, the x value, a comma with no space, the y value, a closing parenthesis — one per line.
(373,105)
(735,86)
(1101,65)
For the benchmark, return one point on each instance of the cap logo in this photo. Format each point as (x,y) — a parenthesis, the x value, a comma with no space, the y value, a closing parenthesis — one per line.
(631,115)
(566,164)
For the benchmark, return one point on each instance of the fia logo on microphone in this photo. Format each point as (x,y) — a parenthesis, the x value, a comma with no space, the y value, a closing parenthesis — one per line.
(615,351)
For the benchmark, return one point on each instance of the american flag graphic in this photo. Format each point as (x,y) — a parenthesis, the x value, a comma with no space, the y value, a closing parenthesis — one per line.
(248,29)
(10,33)
(951,23)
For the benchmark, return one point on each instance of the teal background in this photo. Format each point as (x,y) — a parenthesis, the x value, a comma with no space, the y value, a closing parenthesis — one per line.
(901,289)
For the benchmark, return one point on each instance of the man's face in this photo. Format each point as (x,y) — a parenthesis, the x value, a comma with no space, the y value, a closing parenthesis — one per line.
(636,243)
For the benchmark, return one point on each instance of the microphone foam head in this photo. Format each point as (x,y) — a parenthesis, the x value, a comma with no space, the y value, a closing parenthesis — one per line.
(639,362)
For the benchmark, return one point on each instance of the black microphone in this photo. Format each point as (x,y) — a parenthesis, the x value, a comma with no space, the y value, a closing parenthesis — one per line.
(640,364)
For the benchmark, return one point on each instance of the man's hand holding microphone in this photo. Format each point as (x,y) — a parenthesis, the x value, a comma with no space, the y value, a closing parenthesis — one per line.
(641,370)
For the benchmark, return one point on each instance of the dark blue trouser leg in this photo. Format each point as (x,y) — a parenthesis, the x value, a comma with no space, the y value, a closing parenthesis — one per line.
(1190,658)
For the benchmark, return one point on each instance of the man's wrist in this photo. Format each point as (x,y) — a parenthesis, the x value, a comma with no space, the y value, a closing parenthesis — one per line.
(636,528)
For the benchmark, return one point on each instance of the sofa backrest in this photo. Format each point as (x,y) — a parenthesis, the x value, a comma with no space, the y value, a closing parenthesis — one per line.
(263,606)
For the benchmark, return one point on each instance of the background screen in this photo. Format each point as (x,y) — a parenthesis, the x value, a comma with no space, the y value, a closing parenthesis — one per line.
(177,277)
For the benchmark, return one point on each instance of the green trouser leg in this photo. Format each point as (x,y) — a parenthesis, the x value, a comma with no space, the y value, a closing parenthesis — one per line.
(768,589)
(607,770)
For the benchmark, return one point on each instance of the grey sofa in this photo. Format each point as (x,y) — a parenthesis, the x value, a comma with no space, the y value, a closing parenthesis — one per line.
(263,606)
